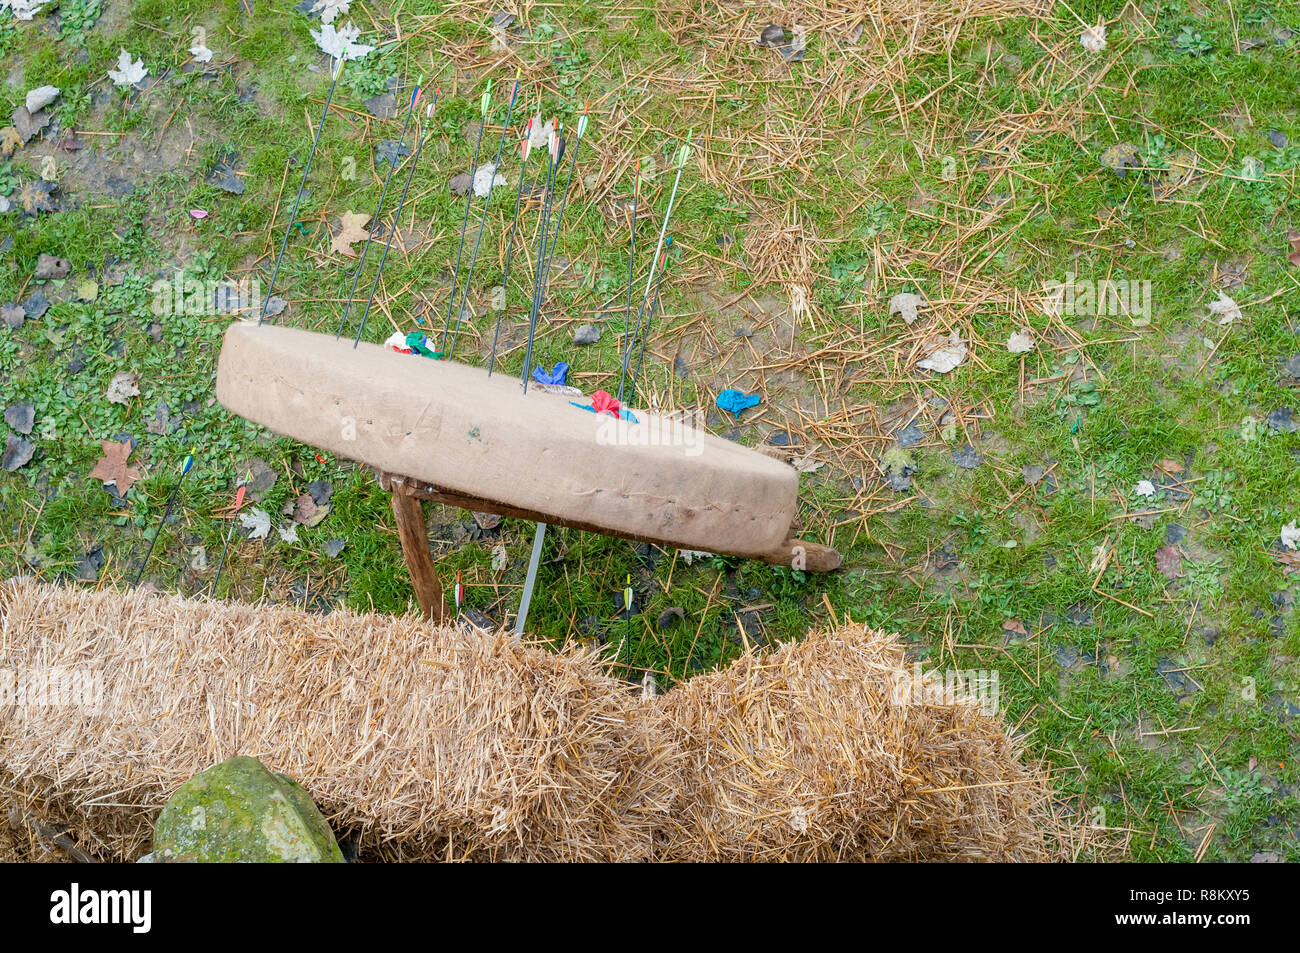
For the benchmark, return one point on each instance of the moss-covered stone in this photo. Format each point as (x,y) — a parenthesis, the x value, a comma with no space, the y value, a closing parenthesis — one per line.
(239,812)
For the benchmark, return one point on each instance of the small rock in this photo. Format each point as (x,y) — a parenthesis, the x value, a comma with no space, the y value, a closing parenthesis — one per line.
(680,367)
(1175,534)
(89,565)
(670,617)
(966,457)
(1265,857)
(42,96)
(477,619)
(17,453)
(28,123)
(1275,136)
(743,332)
(1283,420)
(322,491)
(13,315)
(772,36)
(1291,367)
(21,417)
(910,435)
(260,477)
(392,152)
(334,547)
(36,305)
(586,334)
(238,811)
(461,184)
(226,178)
(383,106)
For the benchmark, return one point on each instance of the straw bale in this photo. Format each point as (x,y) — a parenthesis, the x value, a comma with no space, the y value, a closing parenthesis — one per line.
(805,754)
(440,743)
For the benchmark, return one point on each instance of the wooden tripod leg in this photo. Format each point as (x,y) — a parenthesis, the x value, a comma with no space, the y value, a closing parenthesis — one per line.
(415,547)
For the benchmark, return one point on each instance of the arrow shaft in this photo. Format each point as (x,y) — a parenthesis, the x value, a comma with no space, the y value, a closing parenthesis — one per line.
(482,222)
(365,249)
(388,242)
(510,248)
(464,225)
(293,217)
(163,522)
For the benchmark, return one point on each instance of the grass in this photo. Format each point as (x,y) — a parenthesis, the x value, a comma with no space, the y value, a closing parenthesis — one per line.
(967,171)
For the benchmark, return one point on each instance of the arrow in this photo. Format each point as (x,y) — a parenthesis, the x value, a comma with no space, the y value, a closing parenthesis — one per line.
(392,167)
(338,71)
(484,103)
(564,198)
(185,469)
(556,150)
(510,246)
(631,260)
(388,243)
(242,487)
(683,154)
(654,306)
(478,240)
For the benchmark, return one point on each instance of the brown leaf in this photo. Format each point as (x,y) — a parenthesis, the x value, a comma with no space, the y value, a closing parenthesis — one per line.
(1294,238)
(308,512)
(352,228)
(1014,625)
(112,468)
(37,196)
(9,141)
(1170,466)
(1170,562)
(1290,561)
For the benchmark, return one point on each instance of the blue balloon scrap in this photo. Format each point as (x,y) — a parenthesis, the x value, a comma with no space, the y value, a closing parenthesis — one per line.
(557,376)
(734,402)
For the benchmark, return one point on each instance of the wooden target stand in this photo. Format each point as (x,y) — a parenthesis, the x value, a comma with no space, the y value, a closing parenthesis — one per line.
(408,497)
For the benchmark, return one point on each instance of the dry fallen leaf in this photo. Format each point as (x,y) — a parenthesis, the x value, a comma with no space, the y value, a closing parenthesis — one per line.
(1225,309)
(1021,342)
(498,557)
(123,387)
(128,73)
(945,355)
(806,463)
(341,44)
(1291,535)
(1291,235)
(112,468)
(352,228)
(1169,562)
(258,520)
(9,141)
(906,304)
(1093,39)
